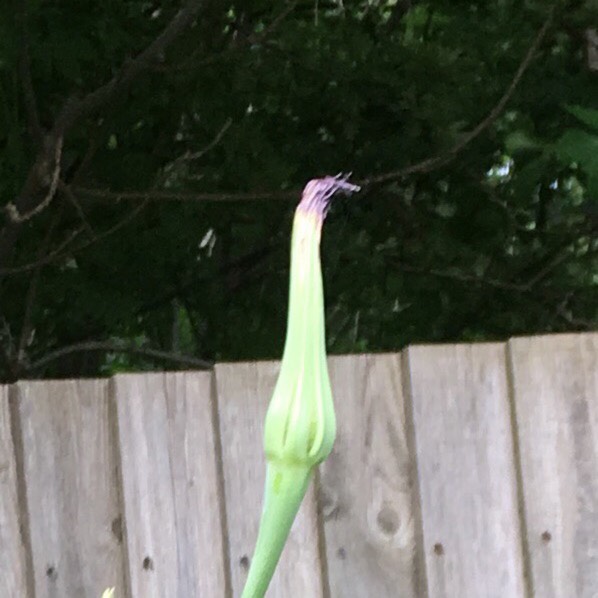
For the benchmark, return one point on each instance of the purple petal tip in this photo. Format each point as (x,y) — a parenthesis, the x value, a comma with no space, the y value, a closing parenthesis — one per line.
(318,192)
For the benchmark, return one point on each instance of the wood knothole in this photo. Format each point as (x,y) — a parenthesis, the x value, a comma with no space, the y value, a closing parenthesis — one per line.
(388,520)
(148,563)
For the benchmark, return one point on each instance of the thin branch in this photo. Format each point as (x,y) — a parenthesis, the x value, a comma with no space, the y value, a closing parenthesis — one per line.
(154,195)
(561,312)
(32,291)
(192,63)
(242,263)
(189,156)
(61,251)
(120,224)
(53,255)
(74,109)
(257,39)
(12,210)
(529,287)
(27,316)
(7,348)
(9,362)
(75,202)
(439,160)
(29,98)
(556,261)
(466,278)
(115,347)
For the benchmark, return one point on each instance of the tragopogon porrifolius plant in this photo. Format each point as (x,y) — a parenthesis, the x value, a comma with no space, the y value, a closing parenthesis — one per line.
(300,423)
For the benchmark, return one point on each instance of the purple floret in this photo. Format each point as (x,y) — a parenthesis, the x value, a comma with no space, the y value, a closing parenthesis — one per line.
(317,193)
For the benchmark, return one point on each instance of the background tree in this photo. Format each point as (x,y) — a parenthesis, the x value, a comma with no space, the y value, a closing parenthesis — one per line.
(154,153)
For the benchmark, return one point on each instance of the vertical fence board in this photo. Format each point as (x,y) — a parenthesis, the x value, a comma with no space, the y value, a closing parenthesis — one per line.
(170,485)
(555,382)
(367,494)
(12,551)
(467,474)
(69,465)
(244,391)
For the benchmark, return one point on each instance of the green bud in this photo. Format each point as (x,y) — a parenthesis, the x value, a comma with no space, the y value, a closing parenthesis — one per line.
(300,423)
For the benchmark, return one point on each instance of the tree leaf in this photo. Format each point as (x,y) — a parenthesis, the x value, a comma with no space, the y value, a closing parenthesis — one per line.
(588,116)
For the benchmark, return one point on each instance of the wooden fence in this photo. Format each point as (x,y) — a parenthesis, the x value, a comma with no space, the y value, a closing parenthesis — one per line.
(458,471)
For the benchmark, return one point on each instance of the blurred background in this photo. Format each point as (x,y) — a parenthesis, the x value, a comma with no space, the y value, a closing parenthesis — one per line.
(152,155)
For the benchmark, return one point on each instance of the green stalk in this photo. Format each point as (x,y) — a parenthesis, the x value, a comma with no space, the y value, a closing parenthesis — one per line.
(300,423)
(285,488)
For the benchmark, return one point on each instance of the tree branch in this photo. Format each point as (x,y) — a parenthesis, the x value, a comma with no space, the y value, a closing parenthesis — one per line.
(7,351)
(39,177)
(284,13)
(74,109)
(13,211)
(154,195)
(563,314)
(189,156)
(531,286)
(32,293)
(62,250)
(191,62)
(463,277)
(66,190)
(53,255)
(444,158)
(115,347)
(240,264)
(35,129)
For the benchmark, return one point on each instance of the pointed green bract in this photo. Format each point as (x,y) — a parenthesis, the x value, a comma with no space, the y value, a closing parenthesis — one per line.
(300,423)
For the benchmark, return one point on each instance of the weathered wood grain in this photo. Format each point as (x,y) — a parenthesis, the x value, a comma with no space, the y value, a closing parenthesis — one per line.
(174,532)
(244,391)
(69,465)
(555,382)
(367,494)
(12,550)
(466,471)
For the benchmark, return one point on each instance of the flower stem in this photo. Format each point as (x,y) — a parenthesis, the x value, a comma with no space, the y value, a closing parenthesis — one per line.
(286,485)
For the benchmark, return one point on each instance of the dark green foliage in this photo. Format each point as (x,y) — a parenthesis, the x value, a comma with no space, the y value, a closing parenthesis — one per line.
(499,239)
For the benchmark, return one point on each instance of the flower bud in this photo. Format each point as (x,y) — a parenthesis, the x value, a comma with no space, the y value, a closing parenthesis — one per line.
(300,423)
